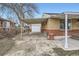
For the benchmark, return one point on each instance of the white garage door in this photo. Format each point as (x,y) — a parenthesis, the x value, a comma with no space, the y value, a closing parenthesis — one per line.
(36,27)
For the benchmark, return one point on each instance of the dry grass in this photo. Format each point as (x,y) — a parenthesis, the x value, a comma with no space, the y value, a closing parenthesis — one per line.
(5,45)
(61,52)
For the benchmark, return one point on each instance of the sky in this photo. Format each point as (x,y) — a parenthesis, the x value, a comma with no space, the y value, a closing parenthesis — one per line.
(56,8)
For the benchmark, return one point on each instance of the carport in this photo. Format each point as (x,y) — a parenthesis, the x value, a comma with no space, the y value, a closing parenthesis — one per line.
(34,23)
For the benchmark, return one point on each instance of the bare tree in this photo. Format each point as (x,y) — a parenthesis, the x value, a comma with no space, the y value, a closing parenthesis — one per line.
(20,10)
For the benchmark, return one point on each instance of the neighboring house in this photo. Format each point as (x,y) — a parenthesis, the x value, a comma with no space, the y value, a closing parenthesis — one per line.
(54,23)
(6,25)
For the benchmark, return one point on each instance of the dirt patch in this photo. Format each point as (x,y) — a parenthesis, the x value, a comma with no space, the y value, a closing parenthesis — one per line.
(32,45)
(61,52)
(5,45)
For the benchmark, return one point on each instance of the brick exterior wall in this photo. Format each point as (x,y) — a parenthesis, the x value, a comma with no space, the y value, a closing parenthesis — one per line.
(60,32)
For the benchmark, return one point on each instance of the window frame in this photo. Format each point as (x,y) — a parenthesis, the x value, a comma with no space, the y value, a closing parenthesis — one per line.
(63,21)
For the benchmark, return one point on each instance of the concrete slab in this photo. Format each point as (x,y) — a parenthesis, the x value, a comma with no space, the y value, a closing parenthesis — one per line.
(73,44)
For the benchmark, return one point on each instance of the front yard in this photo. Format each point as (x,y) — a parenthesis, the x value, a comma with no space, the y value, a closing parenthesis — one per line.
(32,45)
(5,45)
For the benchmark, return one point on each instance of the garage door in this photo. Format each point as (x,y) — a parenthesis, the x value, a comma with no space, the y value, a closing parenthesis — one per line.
(36,27)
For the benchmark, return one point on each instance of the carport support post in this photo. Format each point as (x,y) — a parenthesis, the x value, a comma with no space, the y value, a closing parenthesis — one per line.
(66,32)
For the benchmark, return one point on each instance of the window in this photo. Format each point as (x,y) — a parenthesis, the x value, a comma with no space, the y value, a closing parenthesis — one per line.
(6,26)
(62,24)
(69,23)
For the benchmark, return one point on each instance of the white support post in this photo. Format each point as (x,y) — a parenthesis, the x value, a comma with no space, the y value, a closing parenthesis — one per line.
(66,31)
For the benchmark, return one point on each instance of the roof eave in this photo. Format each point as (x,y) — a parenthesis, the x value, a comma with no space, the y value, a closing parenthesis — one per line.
(34,20)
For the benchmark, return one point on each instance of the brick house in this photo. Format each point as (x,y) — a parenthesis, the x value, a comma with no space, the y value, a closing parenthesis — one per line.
(55,23)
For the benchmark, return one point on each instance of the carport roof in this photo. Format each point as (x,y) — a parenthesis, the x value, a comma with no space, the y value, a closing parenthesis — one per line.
(34,20)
